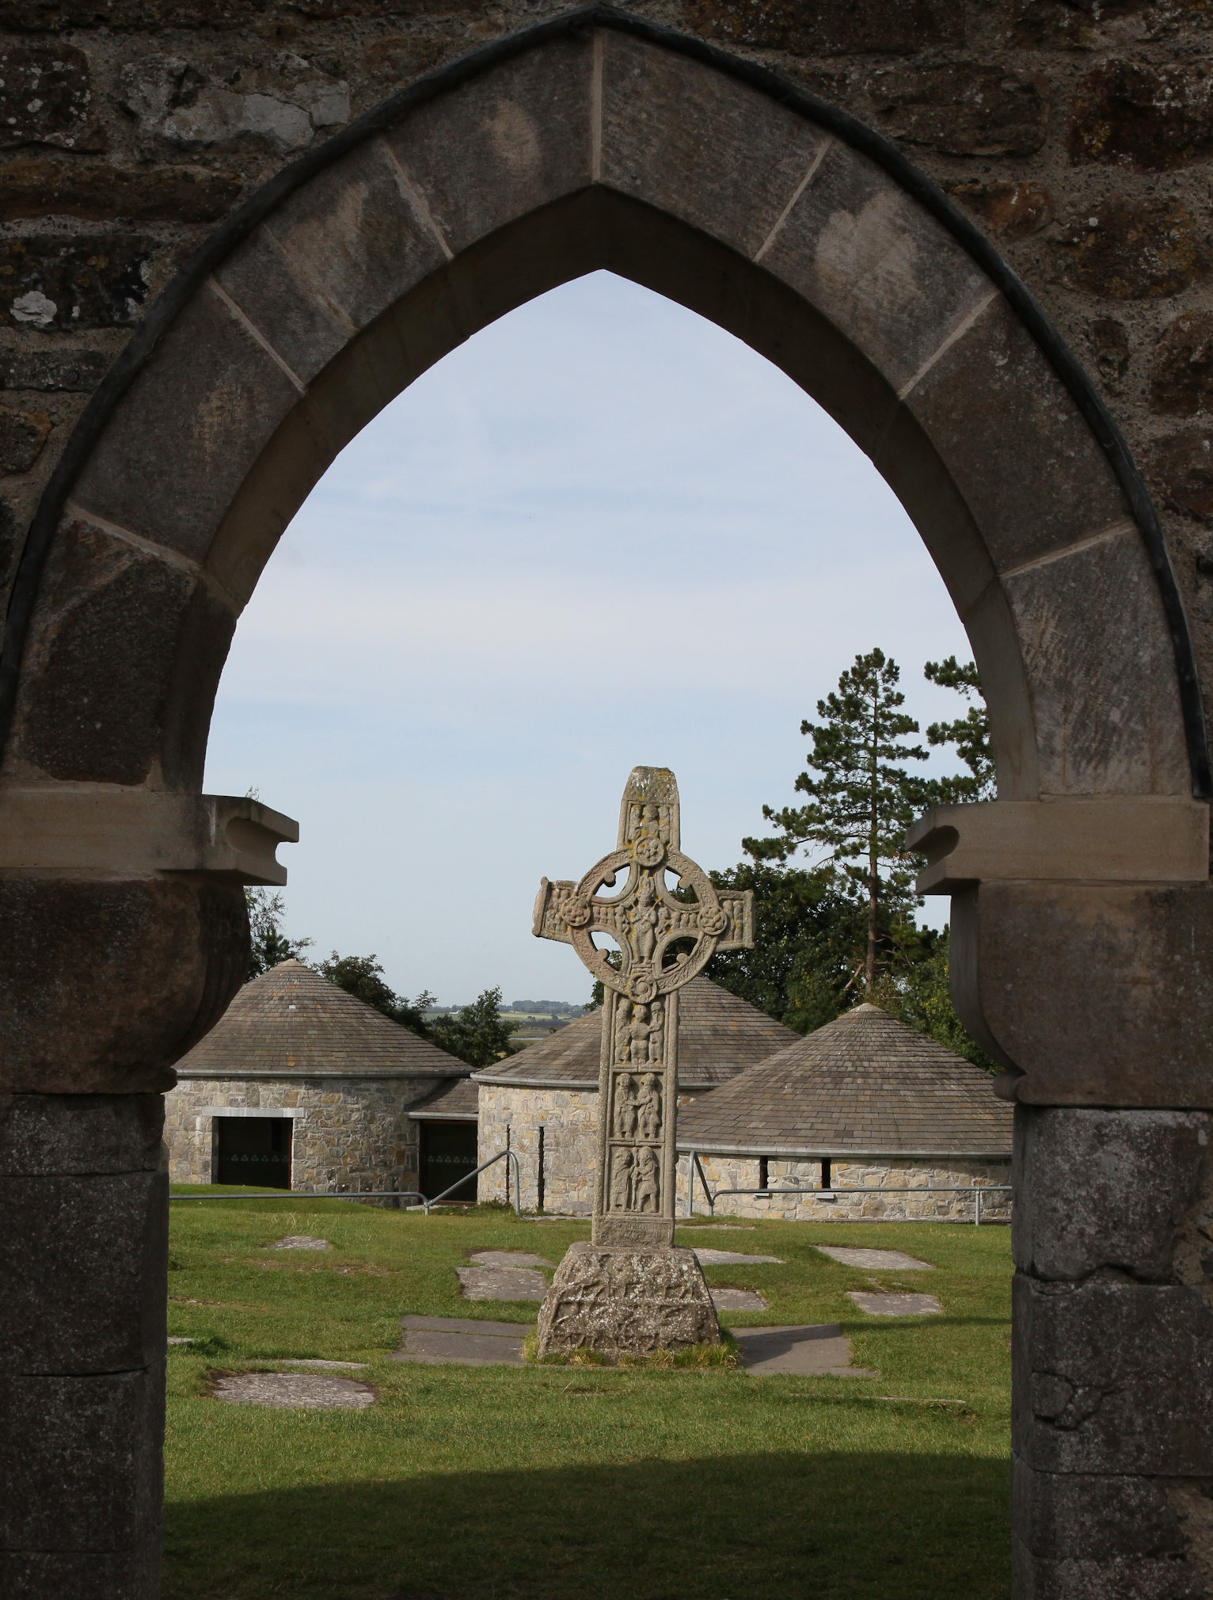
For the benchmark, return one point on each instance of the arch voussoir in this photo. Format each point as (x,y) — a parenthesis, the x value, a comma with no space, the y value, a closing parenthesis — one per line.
(186,432)
(712,151)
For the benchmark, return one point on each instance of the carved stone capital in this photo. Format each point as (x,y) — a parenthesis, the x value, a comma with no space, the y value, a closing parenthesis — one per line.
(1117,839)
(102,831)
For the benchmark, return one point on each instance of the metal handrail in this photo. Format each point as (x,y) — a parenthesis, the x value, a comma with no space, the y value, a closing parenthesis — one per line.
(377,1194)
(502,1155)
(312,1194)
(975,1189)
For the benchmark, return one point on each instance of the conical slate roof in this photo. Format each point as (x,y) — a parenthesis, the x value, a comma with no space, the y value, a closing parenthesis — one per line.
(292,1022)
(718,1036)
(865,1084)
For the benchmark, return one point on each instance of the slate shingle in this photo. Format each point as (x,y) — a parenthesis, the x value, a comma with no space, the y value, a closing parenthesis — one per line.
(292,1022)
(865,1084)
(718,1037)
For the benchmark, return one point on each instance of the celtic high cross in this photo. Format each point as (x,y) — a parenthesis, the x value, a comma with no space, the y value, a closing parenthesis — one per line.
(665,936)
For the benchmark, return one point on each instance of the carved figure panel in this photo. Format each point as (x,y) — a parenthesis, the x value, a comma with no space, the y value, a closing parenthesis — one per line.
(665,936)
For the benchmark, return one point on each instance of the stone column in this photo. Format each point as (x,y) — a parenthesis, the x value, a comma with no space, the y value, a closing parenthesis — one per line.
(1082,957)
(83,1255)
(1112,1430)
(124,937)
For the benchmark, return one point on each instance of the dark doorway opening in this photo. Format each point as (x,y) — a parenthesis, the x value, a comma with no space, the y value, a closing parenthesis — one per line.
(254,1151)
(447,1153)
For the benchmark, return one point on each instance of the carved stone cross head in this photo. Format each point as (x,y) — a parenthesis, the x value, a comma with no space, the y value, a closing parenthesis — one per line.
(666,934)
(663,941)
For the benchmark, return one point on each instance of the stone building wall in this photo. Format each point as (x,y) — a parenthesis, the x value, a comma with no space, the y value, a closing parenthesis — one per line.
(737,1172)
(570,1153)
(348,1134)
(1079,137)
(569,1118)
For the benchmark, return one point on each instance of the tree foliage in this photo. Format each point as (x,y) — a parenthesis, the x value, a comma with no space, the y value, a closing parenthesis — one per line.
(268,945)
(918,993)
(861,799)
(969,735)
(362,976)
(814,954)
(476,1033)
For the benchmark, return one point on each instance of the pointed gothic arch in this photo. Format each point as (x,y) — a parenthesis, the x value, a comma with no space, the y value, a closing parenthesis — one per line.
(599,142)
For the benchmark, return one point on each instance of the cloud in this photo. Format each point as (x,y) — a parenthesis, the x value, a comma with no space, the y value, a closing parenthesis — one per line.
(600,533)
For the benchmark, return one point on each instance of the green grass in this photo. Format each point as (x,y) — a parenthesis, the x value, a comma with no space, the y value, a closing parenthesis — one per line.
(551,1483)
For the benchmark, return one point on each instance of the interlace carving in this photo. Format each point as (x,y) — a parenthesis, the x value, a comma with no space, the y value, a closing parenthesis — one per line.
(665,923)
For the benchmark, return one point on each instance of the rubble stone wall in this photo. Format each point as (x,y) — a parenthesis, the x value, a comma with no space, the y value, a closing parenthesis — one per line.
(569,1118)
(737,1172)
(569,1121)
(348,1134)
(1078,137)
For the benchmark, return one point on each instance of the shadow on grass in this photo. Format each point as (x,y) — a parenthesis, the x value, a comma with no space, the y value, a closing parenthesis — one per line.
(855,1527)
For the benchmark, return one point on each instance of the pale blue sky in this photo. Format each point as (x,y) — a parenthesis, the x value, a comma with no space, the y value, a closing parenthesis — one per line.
(602,533)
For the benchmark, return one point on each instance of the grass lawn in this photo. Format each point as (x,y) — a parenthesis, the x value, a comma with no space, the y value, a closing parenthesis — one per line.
(551,1483)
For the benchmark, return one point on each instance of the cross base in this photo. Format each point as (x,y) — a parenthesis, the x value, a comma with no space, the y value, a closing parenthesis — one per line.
(625,1299)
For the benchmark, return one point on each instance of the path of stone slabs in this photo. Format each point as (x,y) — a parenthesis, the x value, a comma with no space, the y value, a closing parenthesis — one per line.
(708,1471)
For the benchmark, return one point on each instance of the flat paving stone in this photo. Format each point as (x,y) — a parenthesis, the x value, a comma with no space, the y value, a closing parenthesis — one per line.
(809,1351)
(508,1258)
(300,1241)
(502,1283)
(895,1305)
(437,1340)
(293,1391)
(737,1300)
(179,1338)
(874,1260)
(732,1258)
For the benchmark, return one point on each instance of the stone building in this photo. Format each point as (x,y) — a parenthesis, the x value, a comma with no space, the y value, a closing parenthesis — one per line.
(302,1086)
(543,1102)
(446,1138)
(865,1102)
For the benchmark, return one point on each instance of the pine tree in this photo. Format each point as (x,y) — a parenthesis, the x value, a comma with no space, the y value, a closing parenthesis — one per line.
(861,796)
(970,735)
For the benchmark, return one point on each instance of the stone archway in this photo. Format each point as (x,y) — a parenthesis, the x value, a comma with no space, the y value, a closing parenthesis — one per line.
(598,142)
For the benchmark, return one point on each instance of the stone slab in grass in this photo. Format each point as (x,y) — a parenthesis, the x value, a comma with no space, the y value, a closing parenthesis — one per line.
(300,1241)
(813,1351)
(895,1305)
(737,1300)
(502,1283)
(508,1258)
(315,1364)
(874,1260)
(715,1227)
(437,1340)
(732,1258)
(293,1391)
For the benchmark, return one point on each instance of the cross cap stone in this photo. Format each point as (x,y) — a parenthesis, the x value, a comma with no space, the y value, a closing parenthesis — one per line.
(645,919)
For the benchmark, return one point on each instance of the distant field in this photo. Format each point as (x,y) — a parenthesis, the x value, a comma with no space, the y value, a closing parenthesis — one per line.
(554,1483)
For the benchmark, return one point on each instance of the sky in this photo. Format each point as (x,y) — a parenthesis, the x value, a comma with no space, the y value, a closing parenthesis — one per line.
(602,533)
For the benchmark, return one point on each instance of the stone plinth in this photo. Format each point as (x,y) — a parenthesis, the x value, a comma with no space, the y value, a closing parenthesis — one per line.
(614,1299)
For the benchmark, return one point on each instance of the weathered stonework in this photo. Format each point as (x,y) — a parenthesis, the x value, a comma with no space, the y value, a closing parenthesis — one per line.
(511,1119)
(569,1119)
(819,1205)
(347,1134)
(632,1290)
(617,1301)
(1082,644)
